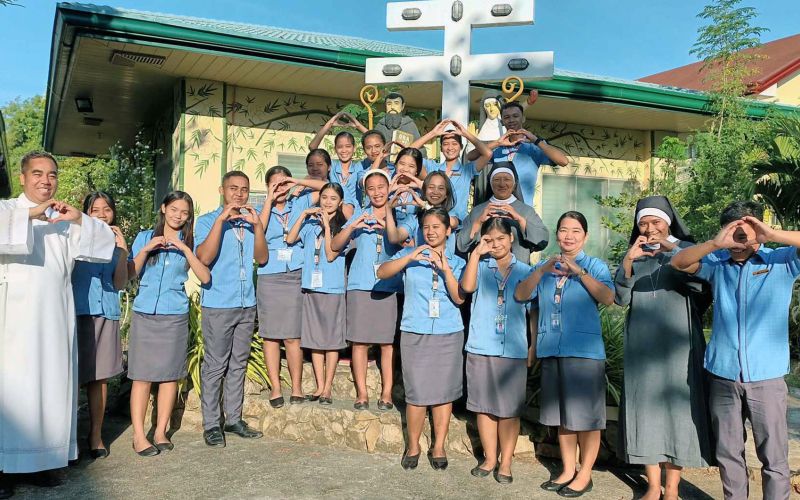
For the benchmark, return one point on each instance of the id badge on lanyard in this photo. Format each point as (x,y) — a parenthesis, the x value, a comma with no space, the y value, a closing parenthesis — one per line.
(500,317)
(555,317)
(239,233)
(378,251)
(433,303)
(316,275)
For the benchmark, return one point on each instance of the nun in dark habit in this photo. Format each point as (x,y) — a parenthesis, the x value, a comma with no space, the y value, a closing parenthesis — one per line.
(664,420)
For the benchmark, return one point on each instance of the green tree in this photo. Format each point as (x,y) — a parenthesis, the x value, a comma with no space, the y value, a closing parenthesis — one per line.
(778,176)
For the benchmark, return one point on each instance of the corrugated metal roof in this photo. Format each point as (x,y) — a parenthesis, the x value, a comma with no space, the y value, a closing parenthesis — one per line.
(267,33)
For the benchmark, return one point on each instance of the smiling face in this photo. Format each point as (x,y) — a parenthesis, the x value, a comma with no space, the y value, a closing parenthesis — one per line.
(499,243)
(571,236)
(329,200)
(101,210)
(503,186)
(344,149)
(236,190)
(654,228)
(436,190)
(377,188)
(39,180)
(451,147)
(394,106)
(492,108)
(176,214)
(406,165)
(317,167)
(512,118)
(373,145)
(435,230)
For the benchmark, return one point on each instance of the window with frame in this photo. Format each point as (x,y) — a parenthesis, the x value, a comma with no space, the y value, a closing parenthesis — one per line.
(295,163)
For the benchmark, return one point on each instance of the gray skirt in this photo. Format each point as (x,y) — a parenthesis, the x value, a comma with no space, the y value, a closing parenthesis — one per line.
(280,305)
(323,323)
(573,393)
(371,317)
(157,347)
(432,367)
(496,385)
(99,348)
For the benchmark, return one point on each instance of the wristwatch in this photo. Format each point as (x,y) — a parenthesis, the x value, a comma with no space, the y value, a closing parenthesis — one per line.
(583,272)
(538,140)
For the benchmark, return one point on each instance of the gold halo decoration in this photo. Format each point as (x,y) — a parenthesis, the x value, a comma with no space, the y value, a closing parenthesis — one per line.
(369,96)
(513,87)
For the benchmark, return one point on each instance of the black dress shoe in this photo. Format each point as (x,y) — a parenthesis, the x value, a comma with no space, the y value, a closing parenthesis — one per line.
(168,446)
(277,402)
(553,486)
(384,405)
(6,487)
(568,492)
(150,451)
(49,478)
(478,472)
(438,463)
(296,400)
(361,405)
(502,478)
(241,429)
(311,397)
(409,462)
(214,437)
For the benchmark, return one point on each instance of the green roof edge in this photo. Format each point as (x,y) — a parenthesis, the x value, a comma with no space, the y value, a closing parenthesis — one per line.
(566,86)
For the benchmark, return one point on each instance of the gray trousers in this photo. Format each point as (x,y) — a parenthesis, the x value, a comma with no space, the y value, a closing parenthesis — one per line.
(227,334)
(764,404)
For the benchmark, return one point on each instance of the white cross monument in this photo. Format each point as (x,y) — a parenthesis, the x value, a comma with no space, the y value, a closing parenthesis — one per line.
(456,68)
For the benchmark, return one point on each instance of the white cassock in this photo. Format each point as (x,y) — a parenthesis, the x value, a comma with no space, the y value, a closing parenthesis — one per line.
(38,352)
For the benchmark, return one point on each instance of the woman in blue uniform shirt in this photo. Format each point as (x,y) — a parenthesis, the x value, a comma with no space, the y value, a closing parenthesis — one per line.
(159,337)
(497,346)
(568,289)
(280,302)
(432,334)
(371,303)
(96,290)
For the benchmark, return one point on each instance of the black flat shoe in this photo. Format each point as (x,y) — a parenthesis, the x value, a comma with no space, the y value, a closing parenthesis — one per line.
(478,472)
(243,430)
(502,478)
(277,402)
(385,405)
(150,451)
(325,401)
(297,400)
(311,397)
(568,492)
(438,463)
(409,462)
(361,405)
(98,453)
(553,486)
(165,446)
(214,437)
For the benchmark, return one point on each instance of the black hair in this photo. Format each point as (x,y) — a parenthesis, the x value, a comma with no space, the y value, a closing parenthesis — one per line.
(451,136)
(188,226)
(345,135)
(396,95)
(232,173)
(33,155)
(370,133)
(738,209)
(438,212)
(512,104)
(326,157)
(502,224)
(88,202)
(276,170)
(449,200)
(338,220)
(572,214)
(414,153)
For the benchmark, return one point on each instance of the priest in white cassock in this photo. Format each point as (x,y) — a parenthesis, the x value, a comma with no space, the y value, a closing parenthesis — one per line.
(40,240)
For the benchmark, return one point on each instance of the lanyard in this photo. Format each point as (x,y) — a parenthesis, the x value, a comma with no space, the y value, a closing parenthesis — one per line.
(317,249)
(434,281)
(501,286)
(378,247)
(284,220)
(560,288)
(344,178)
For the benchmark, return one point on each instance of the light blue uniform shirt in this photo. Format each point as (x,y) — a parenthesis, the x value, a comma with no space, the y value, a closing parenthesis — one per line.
(275,230)
(365,165)
(231,282)
(461,179)
(526,159)
(577,333)
(349,185)
(93,288)
(411,225)
(750,333)
(332,272)
(418,286)
(362,269)
(161,285)
(510,341)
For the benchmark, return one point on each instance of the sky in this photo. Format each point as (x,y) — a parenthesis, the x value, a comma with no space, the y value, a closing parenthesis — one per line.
(619,38)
